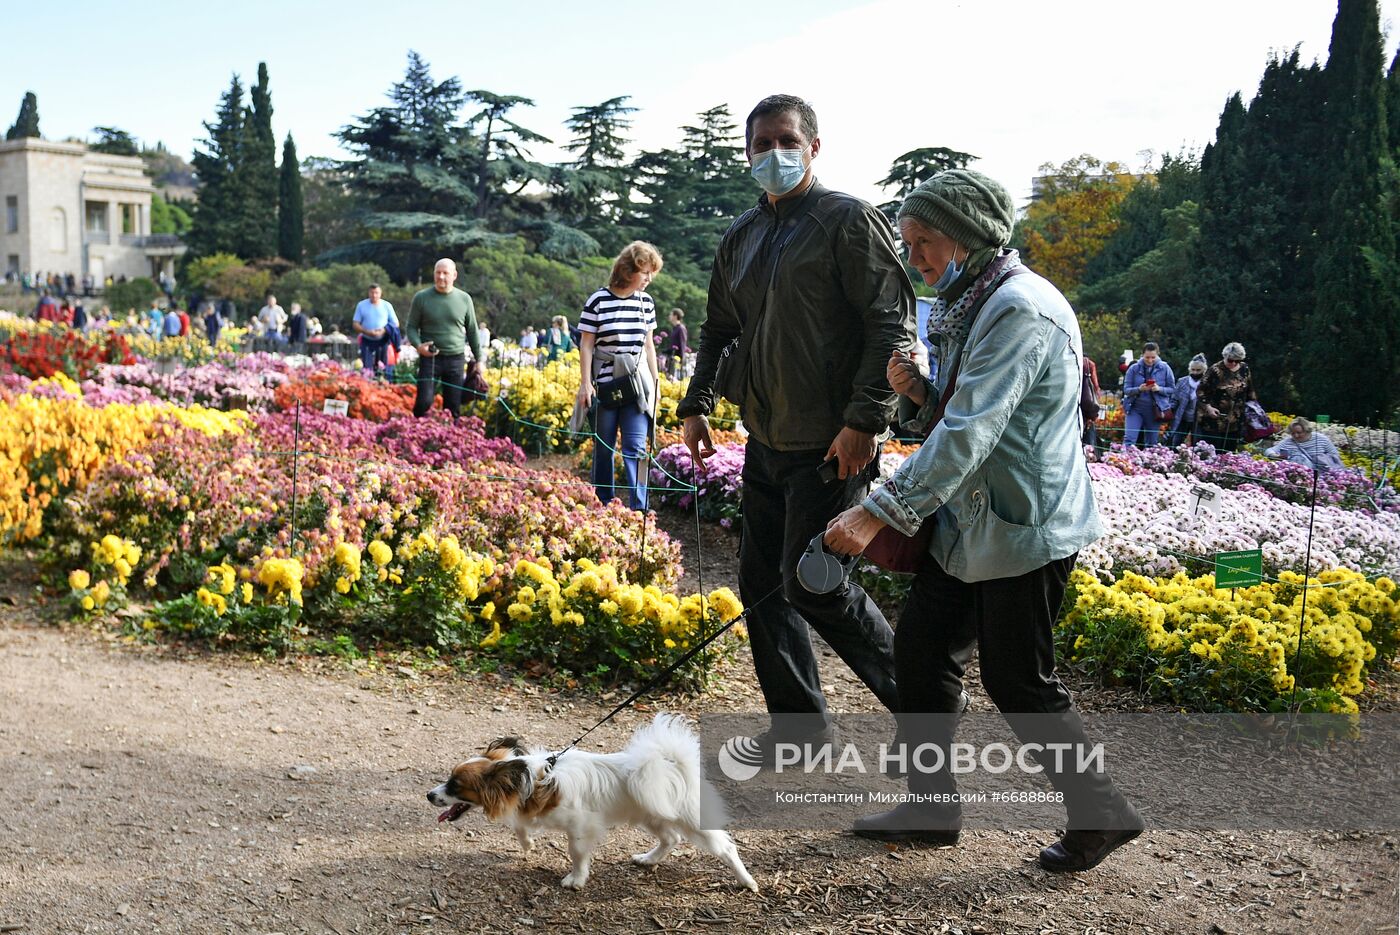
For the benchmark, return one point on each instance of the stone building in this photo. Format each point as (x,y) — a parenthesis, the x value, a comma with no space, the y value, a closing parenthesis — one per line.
(67,209)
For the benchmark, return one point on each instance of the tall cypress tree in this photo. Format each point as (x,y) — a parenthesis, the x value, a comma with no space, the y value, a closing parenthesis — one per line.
(257,230)
(222,185)
(290,229)
(1349,354)
(27,123)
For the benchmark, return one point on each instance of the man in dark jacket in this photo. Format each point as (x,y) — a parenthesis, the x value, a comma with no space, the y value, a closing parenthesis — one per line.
(809,283)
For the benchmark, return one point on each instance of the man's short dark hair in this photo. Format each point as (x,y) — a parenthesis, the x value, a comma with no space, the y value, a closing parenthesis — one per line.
(781,104)
(1149,346)
(375,285)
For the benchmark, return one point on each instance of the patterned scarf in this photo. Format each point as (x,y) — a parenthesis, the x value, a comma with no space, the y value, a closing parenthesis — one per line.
(951,321)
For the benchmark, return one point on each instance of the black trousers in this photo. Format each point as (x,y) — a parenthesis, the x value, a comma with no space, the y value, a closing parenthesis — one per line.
(451,370)
(785,504)
(1009,622)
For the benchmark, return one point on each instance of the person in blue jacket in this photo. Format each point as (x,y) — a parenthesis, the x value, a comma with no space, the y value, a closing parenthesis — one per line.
(1184,401)
(1147,387)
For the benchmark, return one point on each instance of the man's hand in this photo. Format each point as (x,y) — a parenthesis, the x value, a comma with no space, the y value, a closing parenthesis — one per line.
(695,432)
(426,349)
(852,449)
(850,532)
(904,376)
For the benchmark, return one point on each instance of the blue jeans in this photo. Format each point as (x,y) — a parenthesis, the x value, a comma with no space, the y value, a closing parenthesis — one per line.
(374,354)
(1134,423)
(632,423)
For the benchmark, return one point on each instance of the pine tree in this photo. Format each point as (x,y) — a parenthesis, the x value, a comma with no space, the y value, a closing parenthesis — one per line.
(915,167)
(593,192)
(413,177)
(27,123)
(1349,361)
(290,228)
(503,166)
(257,228)
(222,184)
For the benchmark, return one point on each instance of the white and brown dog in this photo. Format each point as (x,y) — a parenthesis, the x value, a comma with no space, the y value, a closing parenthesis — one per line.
(657,783)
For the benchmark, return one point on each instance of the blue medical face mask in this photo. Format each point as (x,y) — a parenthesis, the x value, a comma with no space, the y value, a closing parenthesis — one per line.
(779,170)
(951,273)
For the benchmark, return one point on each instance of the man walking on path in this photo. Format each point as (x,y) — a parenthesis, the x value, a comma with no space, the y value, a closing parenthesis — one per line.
(441,325)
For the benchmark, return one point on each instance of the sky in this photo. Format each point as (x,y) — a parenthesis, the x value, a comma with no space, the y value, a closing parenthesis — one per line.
(1018,83)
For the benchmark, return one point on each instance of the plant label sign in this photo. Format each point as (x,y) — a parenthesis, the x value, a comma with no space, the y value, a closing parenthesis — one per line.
(1242,569)
(1206,500)
(1323,420)
(336,407)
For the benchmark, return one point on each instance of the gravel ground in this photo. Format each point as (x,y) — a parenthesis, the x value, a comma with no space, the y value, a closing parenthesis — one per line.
(163,789)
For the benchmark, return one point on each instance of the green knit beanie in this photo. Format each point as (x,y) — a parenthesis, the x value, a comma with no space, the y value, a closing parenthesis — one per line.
(967,206)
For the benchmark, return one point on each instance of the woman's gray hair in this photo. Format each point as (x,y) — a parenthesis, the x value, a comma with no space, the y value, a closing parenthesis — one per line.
(1232,351)
(1301,423)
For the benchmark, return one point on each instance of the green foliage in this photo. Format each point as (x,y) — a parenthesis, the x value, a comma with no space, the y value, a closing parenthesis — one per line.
(27,123)
(199,273)
(915,167)
(224,190)
(693,193)
(245,285)
(332,292)
(167,218)
(329,207)
(593,193)
(290,225)
(258,234)
(427,186)
(1154,281)
(1105,335)
(513,287)
(113,142)
(1356,310)
(135,293)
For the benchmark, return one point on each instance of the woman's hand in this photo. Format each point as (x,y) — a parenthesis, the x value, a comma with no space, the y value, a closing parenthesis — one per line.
(585,393)
(1210,410)
(850,532)
(905,378)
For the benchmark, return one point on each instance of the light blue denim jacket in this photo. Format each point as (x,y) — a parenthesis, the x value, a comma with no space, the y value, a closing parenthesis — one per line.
(1003,472)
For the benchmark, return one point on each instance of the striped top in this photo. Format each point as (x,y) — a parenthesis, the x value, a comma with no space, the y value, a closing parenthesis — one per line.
(1317,452)
(622,325)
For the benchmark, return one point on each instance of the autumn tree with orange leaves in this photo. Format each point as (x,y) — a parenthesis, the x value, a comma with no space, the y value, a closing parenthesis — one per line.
(1072,217)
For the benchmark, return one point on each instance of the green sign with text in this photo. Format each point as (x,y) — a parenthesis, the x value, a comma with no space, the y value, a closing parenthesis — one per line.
(1323,420)
(1239,569)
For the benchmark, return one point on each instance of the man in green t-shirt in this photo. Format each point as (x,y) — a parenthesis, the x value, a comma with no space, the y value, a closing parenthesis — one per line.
(441,323)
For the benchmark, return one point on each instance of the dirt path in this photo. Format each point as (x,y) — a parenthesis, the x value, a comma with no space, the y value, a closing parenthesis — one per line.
(161,790)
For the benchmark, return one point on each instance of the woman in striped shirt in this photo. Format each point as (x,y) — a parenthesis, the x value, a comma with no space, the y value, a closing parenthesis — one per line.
(616,326)
(1307,448)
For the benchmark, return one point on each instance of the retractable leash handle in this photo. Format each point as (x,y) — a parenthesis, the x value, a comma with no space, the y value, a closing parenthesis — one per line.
(822,571)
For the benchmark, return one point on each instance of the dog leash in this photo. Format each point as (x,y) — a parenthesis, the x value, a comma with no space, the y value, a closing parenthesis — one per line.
(664,675)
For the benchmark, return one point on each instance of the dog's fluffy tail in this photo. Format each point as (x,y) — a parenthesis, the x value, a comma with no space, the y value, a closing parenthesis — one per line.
(668,779)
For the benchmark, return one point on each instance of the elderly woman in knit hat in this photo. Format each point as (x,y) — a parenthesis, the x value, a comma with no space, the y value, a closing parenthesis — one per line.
(1184,401)
(1002,480)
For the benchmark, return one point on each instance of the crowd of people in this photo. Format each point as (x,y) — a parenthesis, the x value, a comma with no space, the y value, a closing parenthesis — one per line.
(1215,403)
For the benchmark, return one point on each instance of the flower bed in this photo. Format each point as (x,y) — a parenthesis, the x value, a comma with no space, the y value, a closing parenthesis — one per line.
(43,353)
(1283,480)
(1181,640)
(55,447)
(720,482)
(367,399)
(1151,530)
